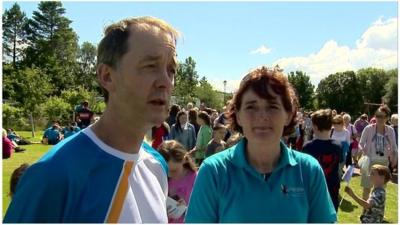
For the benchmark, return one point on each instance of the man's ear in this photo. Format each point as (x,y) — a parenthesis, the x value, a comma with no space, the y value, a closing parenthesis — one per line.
(105,77)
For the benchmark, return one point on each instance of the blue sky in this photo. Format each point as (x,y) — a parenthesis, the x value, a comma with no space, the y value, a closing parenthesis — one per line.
(223,38)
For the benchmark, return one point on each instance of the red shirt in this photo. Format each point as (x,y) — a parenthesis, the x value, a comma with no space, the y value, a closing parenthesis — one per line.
(7,148)
(158,135)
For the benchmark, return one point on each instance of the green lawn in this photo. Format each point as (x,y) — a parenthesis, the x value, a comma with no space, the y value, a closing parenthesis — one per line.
(349,211)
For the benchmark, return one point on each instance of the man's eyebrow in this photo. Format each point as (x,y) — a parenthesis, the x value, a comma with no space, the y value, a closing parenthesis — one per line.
(150,58)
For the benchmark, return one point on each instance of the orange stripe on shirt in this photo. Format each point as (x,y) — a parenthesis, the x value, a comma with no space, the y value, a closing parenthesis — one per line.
(119,198)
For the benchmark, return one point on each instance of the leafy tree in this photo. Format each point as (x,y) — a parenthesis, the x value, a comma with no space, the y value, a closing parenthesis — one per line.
(372,83)
(87,66)
(208,95)
(186,80)
(14,117)
(56,108)
(391,89)
(340,91)
(14,35)
(305,90)
(54,45)
(32,88)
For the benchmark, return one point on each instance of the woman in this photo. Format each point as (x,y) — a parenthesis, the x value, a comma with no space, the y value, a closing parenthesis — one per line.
(181,174)
(352,154)
(193,120)
(378,142)
(203,137)
(341,135)
(261,180)
(171,120)
(183,132)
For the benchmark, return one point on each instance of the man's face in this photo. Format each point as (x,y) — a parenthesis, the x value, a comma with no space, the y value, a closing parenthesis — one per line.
(144,77)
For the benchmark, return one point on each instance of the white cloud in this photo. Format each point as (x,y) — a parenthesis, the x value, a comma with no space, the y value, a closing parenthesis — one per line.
(262,50)
(377,47)
(381,35)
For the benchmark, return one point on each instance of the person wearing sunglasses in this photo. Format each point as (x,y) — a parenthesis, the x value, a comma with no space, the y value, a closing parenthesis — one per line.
(378,142)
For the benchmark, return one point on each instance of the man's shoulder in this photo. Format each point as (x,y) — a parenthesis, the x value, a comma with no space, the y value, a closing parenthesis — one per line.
(154,157)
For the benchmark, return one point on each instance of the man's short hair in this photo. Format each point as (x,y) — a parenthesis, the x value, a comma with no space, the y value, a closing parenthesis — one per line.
(114,43)
(382,171)
(322,119)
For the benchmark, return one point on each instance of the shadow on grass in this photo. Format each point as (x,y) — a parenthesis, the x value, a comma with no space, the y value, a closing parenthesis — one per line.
(346,205)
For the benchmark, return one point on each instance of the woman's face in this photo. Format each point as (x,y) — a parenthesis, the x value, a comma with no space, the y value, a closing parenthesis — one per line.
(262,120)
(183,119)
(381,118)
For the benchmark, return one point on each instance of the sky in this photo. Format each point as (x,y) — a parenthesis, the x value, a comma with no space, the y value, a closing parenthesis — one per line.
(228,39)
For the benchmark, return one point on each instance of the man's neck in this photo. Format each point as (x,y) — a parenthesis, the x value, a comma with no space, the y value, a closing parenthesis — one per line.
(322,135)
(122,135)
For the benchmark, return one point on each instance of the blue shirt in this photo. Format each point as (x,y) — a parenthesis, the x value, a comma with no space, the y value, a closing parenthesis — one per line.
(52,134)
(229,190)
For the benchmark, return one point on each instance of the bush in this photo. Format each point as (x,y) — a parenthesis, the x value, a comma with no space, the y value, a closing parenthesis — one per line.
(56,108)
(14,117)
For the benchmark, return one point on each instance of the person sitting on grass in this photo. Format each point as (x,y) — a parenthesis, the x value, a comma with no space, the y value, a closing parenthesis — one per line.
(15,177)
(52,134)
(71,129)
(16,138)
(374,207)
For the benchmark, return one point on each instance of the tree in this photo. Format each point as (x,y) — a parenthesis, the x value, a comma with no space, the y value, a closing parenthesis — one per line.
(340,91)
(305,90)
(14,35)
(54,45)
(372,83)
(32,87)
(55,108)
(87,66)
(391,90)
(186,80)
(208,95)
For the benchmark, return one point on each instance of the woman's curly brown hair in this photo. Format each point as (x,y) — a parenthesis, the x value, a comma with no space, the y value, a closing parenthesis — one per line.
(260,80)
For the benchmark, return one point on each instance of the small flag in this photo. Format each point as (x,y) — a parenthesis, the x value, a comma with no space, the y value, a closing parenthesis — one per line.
(348,174)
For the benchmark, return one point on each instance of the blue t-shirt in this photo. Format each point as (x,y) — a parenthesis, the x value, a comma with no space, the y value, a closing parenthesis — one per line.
(229,190)
(52,134)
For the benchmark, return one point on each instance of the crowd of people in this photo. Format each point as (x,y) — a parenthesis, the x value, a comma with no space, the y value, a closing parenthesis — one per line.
(145,162)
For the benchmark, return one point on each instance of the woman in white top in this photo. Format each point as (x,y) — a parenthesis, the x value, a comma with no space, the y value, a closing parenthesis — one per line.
(378,142)
(352,154)
(341,135)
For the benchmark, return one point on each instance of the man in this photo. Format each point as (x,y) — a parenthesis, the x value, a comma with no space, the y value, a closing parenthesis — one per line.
(84,115)
(99,175)
(52,135)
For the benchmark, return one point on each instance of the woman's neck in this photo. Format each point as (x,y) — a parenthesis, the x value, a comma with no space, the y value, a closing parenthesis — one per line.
(264,158)
(380,128)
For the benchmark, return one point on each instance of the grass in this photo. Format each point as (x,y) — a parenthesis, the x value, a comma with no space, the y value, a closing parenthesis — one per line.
(349,211)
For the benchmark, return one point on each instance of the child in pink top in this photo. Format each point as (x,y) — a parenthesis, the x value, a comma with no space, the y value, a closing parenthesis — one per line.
(181,174)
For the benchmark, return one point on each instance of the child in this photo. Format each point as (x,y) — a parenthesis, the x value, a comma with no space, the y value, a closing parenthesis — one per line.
(327,151)
(374,207)
(15,177)
(182,173)
(216,144)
